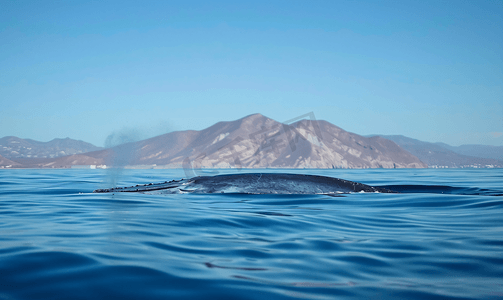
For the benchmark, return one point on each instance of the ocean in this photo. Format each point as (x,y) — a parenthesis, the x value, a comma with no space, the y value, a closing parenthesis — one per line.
(58,240)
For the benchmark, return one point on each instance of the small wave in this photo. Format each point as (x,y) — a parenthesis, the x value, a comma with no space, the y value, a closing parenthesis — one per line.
(442,189)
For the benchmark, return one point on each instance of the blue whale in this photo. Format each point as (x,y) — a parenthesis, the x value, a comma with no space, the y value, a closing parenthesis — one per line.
(253,183)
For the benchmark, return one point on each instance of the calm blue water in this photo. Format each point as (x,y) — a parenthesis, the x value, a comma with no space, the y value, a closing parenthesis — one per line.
(60,241)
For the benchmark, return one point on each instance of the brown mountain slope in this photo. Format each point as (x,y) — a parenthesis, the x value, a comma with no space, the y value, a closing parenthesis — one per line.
(257,142)
(331,146)
(7,163)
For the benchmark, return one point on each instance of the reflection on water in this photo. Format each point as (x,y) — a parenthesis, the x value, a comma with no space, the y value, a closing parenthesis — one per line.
(60,241)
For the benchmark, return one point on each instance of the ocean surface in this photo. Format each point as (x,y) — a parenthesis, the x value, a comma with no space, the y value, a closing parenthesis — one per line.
(58,240)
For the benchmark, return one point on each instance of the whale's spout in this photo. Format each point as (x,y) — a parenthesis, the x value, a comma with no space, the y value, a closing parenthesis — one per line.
(253,183)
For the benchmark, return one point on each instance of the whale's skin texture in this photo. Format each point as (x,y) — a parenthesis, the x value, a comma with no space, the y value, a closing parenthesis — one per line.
(253,183)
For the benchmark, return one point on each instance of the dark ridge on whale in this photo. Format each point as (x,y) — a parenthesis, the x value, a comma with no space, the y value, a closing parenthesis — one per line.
(254,183)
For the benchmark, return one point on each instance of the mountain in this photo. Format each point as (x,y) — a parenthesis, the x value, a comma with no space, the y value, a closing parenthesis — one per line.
(13,147)
(260,142)
(484,151)
(6,163)
(254,141)
(439,154)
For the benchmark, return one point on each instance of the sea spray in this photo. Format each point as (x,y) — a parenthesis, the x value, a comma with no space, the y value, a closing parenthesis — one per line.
(124,146)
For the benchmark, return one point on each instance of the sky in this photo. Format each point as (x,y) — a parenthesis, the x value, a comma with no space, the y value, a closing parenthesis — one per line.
(88,70)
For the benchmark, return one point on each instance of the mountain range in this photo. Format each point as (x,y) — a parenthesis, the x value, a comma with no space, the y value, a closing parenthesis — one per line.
(254,141)
(441,155)
(13,147)
(485,151)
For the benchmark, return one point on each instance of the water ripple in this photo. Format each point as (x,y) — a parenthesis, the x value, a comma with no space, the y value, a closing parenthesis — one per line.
(58,241)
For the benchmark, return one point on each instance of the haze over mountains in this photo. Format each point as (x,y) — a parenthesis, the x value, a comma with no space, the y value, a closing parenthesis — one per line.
(254,141)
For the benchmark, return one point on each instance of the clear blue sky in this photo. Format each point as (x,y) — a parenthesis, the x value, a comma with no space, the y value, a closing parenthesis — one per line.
(431,70)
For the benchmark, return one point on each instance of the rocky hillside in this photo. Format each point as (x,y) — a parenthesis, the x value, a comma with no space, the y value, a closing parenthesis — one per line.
(258,142)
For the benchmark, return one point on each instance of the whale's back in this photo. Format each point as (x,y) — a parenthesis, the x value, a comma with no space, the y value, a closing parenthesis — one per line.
(254,183)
